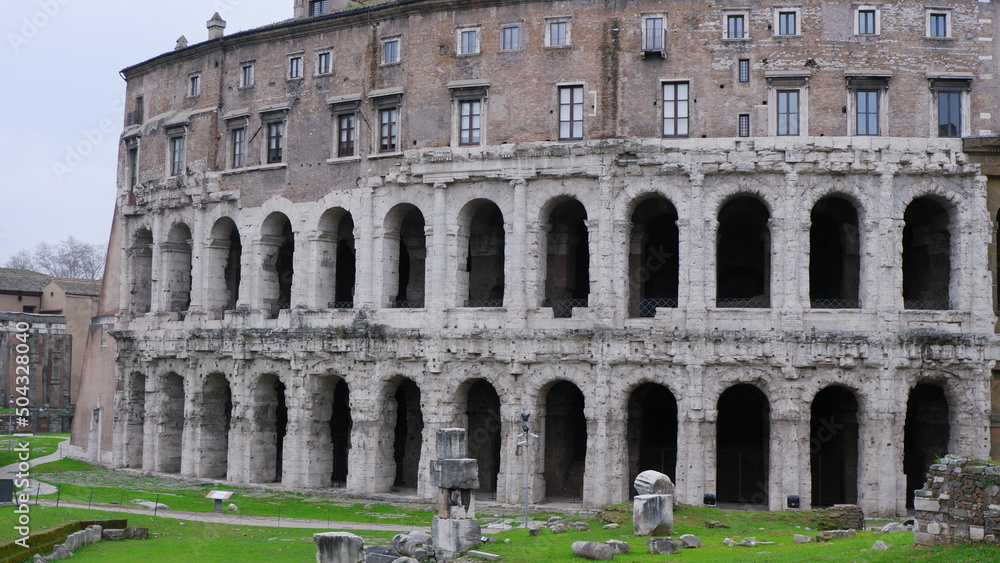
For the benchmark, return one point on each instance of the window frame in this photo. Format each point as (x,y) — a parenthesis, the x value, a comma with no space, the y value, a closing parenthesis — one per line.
(876,23)
(781,81)
(274,136)
(388,129)
(323,5)
(930,15)
(339,131)
(660,34)
(874,81)
(676,119)
(787,132)
(234,143)
(247,74)
(573,104)
(518,27)
(865,131)
(566,37)
(194,84)
(342,107)
(460,36)
(960,88)
(779,21)
(476,128)
(743,71)
(132,162)
(324,55)
(396,41)
(744,16)
(294,67)
(743,125)
(176,151)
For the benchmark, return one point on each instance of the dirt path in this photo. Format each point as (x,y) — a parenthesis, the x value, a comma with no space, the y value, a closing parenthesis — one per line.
(35,487)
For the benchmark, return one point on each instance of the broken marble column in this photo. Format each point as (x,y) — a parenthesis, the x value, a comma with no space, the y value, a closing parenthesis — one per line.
(455,528)
(651,482)
(339,547)
(653,515)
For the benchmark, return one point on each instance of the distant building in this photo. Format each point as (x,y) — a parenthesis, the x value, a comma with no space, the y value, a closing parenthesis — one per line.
(748,244)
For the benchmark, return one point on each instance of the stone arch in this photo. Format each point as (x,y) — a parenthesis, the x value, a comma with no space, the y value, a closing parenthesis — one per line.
(214,424)
(405,257)
(743,253)
(926,254)
(743,445)
(175,255)
(833,447)
(134,415)
(565,441)
(834,254)
(481,238)
(406,417)
(269,424)
(925,434)
(337,259)
(223,271)
(168,424)
(278,252)
(653,259)
(483,424)
(141,254)
(652,431)
(567,263)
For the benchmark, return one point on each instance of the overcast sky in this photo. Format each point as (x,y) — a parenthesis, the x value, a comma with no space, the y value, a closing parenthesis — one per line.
(62,102)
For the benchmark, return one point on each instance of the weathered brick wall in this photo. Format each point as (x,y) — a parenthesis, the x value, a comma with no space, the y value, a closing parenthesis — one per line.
(960,502)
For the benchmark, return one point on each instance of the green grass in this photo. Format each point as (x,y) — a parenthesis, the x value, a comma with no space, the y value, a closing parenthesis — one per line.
(40,445)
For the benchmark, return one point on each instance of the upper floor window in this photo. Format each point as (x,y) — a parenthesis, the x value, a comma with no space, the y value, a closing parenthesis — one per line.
(319,7)
(867,21)
(787,102)
(788,112)
(238,147)
(736,25)
(133,163)
(176,152)
(246,74)
(275,142)
(653,35)
(570,113)
(324,62)
(510,37)
(390,50)
(787,21)
(135,116)
(388,120)
(676,114)
(194,85)
(744,70)
(469,126)
(866,103)
(557,32)
(867,106)
(950,99)
(295,67)
(345,135)
(468,41)
(744,125)
(938,23)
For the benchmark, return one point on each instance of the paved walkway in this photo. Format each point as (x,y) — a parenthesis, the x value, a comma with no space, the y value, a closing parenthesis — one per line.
(34,486)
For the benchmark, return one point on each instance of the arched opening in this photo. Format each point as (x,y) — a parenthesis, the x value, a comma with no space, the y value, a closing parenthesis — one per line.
(567,266)
(834,255)
(224,254)
(176,256)
(652,431)
(340,432)
(833,447)
(926,255)
(743,438)
(408,434)
(346,265)
(335,283)
(405,257)
(216,419)
(925,434)
(653,257)
(743,254)
(142,271)
(565,442)
(484,262)
(278,246)
(483,415)
(270,417)
(170,426)
(135,420)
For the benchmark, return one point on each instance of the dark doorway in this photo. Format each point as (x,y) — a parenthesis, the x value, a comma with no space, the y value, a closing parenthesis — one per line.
(567,279)
(833,447)
(216,417)
(233,269)
(834,255)
(652,431)
(280,428)
(171,424)
(565,442)
(744,254)
(653,257)
(176,254)
(278,266)
(346,264)
(925,435)
(926,255)
(408,434)
(340,431)
(485,257)
(742,439)
(483,414)
(412,255)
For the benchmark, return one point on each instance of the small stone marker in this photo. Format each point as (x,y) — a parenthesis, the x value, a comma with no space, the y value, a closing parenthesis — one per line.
(339,547)
(691,540)
(593,550)
(880,546)
(653,515)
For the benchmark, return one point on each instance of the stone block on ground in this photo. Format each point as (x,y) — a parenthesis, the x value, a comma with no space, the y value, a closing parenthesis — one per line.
(405,560)
(728,542)
(662,546)
(835,535)
(800,538)
(557,528)
(842,517)
(653,483)
(136,533)
(339,547)
(579,526)
(620,546)
(534,529)
(113,534)
(611,526)
(409,544)
(452,443)
(690,540)
(593,550)
(457,536)
(893,527)
(380,554)
(484,555)
(94,533)
(880,546)
(653,515)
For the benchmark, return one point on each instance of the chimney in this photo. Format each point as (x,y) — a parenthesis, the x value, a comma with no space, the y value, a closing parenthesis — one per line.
(216,27)
(182,43)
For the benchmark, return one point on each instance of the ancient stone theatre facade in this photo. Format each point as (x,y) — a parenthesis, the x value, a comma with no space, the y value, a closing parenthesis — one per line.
(747,244)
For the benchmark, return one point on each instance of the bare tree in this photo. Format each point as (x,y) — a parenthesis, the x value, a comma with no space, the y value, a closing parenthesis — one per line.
(68,258)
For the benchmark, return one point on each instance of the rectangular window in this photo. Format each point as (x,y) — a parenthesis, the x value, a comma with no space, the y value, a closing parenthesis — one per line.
(570,113)
(866,22)
(275,141)
(653,34)
(295,67)
(675,109)
(239,147)
(788,112)
(176,155)
(744,70)
(388,140)
(246,75)
(866,102)
(787,23)
(468,41)
(937,24)
(949,114)
(133,166)
(469,122)
(323,61)
(736,26)
(318,8)
(744,125)
(390,51)
(510,37)
(558,33)
(195,82)
(345,135)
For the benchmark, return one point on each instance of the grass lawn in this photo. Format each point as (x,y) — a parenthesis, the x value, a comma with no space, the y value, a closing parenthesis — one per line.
(40,445)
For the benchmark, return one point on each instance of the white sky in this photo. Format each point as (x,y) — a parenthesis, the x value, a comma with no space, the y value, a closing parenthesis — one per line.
(59,63)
